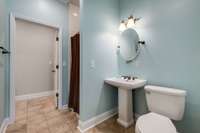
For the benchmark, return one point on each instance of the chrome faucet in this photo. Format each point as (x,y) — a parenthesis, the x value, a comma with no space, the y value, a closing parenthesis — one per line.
(128,77)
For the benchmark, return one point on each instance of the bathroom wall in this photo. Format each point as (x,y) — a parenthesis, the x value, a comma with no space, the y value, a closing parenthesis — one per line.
(171,55)
(51,12)
(99,29)
(7,61)
(2,59)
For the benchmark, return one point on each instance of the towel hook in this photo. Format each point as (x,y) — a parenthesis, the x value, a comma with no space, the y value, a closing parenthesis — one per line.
(4,51)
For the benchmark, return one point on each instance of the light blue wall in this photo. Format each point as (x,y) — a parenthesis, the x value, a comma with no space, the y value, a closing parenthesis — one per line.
(171,55)
(50,12)
(2,58)
(7,62)
(99,24)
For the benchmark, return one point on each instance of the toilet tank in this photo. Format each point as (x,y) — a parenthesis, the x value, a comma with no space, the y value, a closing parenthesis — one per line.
(166,101)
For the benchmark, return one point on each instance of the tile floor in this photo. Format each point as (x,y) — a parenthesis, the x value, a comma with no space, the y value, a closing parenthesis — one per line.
(40,116)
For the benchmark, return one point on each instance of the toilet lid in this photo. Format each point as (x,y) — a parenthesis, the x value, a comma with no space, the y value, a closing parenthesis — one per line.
(155,123)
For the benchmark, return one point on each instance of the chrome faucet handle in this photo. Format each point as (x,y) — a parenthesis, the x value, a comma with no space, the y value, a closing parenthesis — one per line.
(124,77)
(133,77)
(128,77)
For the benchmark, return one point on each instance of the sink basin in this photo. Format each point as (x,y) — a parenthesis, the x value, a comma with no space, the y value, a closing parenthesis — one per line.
(126,84)
(125,100)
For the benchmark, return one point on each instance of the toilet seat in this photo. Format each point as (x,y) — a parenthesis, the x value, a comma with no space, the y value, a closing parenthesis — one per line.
(154,123)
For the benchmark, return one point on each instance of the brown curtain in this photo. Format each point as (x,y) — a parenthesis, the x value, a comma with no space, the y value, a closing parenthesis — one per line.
(75,73)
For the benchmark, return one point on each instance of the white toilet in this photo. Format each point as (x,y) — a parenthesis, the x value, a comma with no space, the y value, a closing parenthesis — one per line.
(164,104)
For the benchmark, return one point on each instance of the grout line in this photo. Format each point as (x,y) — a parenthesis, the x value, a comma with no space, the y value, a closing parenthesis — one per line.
(46,122)
(48,126)
(41,110)
(27,116)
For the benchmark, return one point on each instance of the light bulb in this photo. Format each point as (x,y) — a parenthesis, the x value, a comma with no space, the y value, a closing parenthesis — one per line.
(122,26)
(131,22)
(75,14)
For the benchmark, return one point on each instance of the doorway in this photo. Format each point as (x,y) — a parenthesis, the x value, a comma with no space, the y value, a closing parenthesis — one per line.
(36,54)
(74,55)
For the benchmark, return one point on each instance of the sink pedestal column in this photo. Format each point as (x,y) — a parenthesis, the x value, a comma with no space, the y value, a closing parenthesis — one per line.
(125,107)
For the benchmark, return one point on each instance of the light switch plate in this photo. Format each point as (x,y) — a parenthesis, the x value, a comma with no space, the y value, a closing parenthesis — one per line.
(92,64)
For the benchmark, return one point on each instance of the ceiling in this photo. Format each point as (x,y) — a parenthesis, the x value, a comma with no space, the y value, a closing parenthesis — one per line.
(74,2)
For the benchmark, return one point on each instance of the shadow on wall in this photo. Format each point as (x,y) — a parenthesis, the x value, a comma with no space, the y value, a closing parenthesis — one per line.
(106,91)
(139,102)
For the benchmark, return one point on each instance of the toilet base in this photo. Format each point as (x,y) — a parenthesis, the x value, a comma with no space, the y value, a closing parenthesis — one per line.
(124,123)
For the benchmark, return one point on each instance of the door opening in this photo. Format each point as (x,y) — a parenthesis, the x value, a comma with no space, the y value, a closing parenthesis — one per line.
(74,56)
(36,57)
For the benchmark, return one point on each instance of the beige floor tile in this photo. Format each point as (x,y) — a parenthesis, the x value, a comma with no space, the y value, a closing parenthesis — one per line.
(22,122)
(21,116)
(52,114)
(37,119)
(34,113)
(40,116)
(76,131)
(42,130)
(20,112)
(17,128)
(21,103)
(37,126)
(47,109)
(35,108)
(63,128)
(56,121)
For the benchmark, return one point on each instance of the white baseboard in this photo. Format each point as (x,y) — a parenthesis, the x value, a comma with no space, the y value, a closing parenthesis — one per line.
(34,95)
(4,125)
(83,126)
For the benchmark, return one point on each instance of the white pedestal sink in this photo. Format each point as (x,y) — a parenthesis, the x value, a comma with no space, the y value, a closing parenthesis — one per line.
(125,107)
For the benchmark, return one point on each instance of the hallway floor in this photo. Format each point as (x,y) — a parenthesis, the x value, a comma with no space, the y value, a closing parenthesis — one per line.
(40,116)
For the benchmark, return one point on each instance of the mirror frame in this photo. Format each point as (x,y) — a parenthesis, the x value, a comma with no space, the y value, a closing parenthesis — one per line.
(138,45)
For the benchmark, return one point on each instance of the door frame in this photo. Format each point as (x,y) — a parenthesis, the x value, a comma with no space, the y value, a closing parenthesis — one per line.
(13,18)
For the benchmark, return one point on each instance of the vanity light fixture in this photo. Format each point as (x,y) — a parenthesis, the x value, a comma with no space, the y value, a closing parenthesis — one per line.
(75,14)
(128,23)
(122,26)
(131,22)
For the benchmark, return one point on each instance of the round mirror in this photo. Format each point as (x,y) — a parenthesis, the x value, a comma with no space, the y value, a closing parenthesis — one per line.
(129,45)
